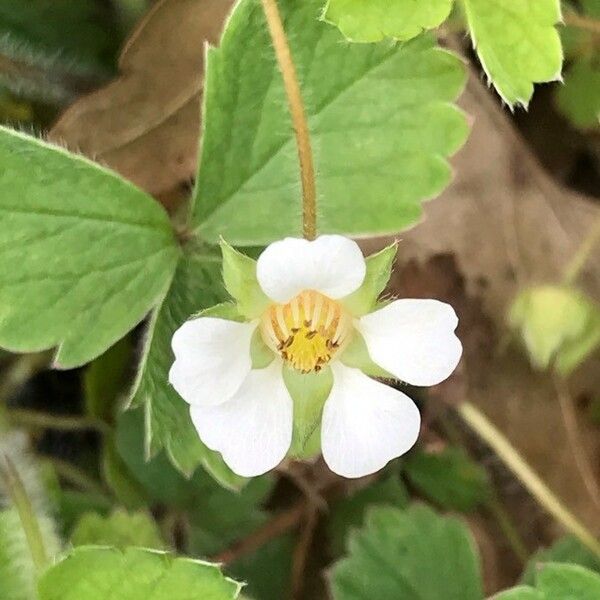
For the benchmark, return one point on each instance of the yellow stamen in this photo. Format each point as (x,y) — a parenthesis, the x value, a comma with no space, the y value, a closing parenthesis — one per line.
(307,331)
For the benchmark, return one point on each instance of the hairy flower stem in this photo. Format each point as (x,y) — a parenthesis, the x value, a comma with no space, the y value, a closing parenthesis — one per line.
(22,503)
(479,423)
(298,114)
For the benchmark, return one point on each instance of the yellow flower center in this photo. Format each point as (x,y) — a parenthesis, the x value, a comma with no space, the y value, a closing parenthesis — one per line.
(307,331)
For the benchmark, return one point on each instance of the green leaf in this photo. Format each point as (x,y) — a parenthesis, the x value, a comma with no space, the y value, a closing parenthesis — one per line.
(559,326)
(104,380)
(133,574)
(196,285)
(81,30)
(566,550)
(562,581)
(309,391)
(411,554)
(379,271)
(521,592)
(94,253)
(449,478)
(374,167)
(375,20)
(579,98)
(517,43)
(120,529)
(268,570)
(558,581)
(349,513)
(218,516)
(239,276)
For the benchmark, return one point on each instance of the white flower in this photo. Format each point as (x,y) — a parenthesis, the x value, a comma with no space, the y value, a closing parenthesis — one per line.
(307,323)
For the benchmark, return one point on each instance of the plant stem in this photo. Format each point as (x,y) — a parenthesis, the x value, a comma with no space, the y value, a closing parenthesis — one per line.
(36,419)
(570,420)
(536,487)
(76,476)
(573,19)
(583,253)
(27,516)
(298,114)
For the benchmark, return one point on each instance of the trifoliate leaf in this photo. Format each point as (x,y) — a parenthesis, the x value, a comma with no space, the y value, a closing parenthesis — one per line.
(375,20)
(239,276)
(349,513)
(411,554)
(196,285)
(449,478)
(133,574)
(120,529)
(566,550)
(379,271)
(579,97)
(558,326)
(517,43)
(84,257)
(374,167)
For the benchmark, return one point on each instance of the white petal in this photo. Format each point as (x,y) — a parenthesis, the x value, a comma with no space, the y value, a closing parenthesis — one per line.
(365,423)
(413,340)
(252,430)
(212,359)
(331,264)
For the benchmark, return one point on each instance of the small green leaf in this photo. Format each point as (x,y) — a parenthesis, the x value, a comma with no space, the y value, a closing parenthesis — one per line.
(449,478)
(349,513)
(579,97)
(379,271)
(133,574)
(84,257)
(120,529)
(374,167)
(558,581)
(566,550)
(196,286)
(517,43)
(558,325)
(375,20)
(239,276)
(409,554)
(309,392)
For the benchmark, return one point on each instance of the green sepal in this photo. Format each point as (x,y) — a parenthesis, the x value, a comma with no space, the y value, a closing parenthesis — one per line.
(559,326)
(309,391)
(379,271)
(239,276)
(225,310)
(356,355)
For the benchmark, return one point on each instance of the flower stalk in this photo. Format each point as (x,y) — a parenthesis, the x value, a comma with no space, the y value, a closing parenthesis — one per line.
(534,484)
(298,114)
(22,503)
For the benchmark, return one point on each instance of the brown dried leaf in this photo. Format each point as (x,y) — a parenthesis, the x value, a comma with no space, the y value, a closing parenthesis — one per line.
(146,123)
(502,224)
